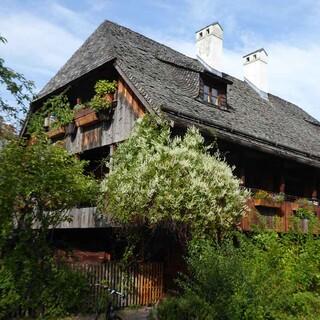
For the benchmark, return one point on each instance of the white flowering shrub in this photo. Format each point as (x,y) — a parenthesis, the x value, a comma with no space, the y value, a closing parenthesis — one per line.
(174,182)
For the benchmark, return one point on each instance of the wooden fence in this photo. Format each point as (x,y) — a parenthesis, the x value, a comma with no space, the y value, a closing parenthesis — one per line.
(141,284)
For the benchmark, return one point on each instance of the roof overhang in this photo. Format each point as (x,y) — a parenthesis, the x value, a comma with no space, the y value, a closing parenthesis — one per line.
(241,138)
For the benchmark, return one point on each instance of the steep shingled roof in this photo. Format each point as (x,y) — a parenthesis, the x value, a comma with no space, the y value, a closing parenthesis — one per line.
(169,80)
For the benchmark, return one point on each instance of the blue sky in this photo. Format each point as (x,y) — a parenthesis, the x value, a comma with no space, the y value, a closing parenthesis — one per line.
(42,35)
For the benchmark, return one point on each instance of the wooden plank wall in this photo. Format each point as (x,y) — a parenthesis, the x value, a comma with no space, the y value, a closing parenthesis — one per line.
(88,217)
(280,221)
(126,112)
(141,284)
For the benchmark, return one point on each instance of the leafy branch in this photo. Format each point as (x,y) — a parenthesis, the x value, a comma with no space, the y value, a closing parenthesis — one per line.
(18,86)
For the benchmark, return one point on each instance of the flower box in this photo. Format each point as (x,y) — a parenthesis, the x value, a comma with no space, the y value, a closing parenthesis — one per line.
(86,117)
(267,203)
(56,133)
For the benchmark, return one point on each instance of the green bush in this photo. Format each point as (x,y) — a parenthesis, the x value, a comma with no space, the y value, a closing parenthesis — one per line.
(9,297)
(37,180)
(179,183)
(52,294)
(262,277)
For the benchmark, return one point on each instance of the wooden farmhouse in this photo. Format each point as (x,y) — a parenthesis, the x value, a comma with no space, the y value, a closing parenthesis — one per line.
(273,144)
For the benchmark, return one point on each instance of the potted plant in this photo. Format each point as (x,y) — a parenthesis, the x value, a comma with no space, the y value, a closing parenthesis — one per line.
(100,107)
(263,198)
(305,215)
(52,117)
(60,115)
(301,203)
(279,197)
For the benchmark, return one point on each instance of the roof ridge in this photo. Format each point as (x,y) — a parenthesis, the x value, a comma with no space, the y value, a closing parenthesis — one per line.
(106,22)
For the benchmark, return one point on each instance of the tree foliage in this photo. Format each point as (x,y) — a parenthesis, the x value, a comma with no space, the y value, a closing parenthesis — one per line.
(17,86)
(264,277)
(176,182)
(57,109)
(38,184)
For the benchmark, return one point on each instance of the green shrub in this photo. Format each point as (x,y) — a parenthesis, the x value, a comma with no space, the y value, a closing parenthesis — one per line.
(52,294)
(179,183)
(263,277)
(304,213)
(9,297)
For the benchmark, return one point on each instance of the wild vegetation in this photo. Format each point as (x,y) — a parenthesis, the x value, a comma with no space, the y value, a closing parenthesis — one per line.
(264,276)
(157,180)
(38,184)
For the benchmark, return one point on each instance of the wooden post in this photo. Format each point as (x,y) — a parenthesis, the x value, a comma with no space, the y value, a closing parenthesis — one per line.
(242,177)
(242,170)
(282,187)
(314,194)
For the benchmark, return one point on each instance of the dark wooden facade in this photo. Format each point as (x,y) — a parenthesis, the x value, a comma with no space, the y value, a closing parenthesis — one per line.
(257,170)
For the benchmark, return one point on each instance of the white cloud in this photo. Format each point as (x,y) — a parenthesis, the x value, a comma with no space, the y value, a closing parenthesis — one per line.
(293,74)
(71,20)
(35,46)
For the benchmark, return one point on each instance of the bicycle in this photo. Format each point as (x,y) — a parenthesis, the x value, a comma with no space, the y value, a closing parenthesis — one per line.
(110,312)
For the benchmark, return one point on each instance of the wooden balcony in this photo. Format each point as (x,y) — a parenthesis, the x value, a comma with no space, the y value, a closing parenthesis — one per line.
(277,212)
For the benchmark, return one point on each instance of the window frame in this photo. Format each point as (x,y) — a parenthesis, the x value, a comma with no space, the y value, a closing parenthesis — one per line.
(210,97)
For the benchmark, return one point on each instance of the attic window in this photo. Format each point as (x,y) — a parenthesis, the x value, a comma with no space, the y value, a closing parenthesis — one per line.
(255,56)
(200,34)
(210,95)
(213,91)
(248,59)
(208,31)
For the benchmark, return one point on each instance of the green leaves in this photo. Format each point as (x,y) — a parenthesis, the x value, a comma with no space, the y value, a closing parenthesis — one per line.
(38,179)
(266,276)
(38,184)
(156,179)
(99,101)
(18,86)
(57,107)
(105,86)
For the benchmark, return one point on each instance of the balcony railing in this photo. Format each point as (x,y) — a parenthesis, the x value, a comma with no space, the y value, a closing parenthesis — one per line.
(279,212)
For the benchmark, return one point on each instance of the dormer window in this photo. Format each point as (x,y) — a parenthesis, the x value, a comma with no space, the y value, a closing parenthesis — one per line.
(210,95)
(213,90)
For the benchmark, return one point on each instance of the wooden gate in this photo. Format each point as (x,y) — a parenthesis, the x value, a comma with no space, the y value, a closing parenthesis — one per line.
(142,284)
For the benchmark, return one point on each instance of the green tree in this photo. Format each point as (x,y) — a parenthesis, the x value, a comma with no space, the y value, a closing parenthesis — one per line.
(39,183)
(17,86)
(157,180)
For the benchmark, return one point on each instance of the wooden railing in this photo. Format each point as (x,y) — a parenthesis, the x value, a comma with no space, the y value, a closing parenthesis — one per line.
(141,284)
(275,211)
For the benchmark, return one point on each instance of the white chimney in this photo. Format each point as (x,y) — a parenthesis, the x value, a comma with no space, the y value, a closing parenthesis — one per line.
(209,42)
(255,66)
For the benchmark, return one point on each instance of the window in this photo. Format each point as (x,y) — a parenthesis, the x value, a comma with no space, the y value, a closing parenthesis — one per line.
(210,95)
